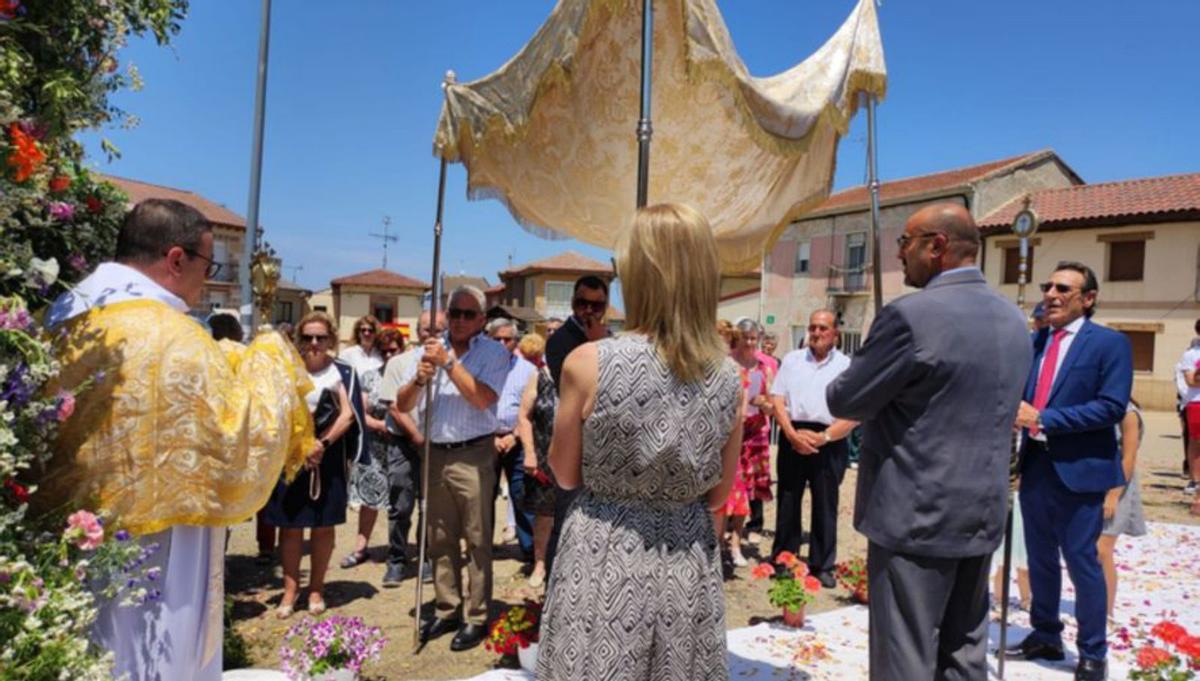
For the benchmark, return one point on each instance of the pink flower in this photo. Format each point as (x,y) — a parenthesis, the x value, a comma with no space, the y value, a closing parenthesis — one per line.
(66,406)
(62,211)
(85,530)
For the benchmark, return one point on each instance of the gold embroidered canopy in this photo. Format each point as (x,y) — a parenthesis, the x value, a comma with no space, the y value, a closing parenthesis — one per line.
(551,133)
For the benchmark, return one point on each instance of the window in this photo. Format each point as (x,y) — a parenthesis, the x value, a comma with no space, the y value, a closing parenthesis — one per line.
(803,251)
(319,308)
(1143,349)
(558,299)
(283,311)
(382,312)
(529,300)
(1012,261)
(850,342)
(1126,260)
(856,259)
(221,255)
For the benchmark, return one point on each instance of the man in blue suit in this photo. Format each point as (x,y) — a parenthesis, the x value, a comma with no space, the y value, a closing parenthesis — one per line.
(1078,389)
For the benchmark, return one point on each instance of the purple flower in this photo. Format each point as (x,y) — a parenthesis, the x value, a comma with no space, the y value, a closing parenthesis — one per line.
(62,211)
(15,390)
(121,535)
(16,319)
(78,262)
(153,573)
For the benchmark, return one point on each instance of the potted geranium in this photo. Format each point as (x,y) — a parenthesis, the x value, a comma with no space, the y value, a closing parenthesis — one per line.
(514,634)
(332,649)
(852,574)
(792,587)
(1160,662)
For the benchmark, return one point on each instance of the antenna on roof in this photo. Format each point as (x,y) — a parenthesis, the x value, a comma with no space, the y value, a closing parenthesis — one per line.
(296,269)
(387,222)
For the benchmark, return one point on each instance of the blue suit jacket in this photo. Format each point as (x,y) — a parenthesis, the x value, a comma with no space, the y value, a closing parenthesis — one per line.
(1089,396)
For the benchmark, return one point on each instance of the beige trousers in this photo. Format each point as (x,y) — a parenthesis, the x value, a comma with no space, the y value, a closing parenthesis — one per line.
(460,507)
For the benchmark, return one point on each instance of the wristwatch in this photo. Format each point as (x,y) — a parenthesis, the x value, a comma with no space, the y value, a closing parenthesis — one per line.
(826,434)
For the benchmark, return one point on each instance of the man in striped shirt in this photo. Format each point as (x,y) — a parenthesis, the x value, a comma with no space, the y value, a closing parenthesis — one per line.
(467,370)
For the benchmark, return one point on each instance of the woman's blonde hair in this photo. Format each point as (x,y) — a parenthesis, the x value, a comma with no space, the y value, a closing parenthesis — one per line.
(532,346)
(671,279)
(318,316)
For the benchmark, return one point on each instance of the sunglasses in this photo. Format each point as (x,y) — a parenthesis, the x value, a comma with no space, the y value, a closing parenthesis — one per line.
(592,305)
(210,270)
(459,313)
(1064,289)
(313,337)
(366,331)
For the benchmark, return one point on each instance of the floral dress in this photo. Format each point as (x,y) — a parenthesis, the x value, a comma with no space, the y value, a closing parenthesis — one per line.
(753,481)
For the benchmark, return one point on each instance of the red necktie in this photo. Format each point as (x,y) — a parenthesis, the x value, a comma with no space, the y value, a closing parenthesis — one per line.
(1041,394)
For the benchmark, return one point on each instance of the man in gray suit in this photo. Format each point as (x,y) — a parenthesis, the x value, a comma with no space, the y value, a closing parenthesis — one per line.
(936,386)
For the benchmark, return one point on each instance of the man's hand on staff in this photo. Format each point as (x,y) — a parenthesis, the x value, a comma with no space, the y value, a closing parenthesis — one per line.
(435,352)
(425,371)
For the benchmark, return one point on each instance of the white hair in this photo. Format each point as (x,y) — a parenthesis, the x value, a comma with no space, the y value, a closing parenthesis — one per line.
(467,290)
(500,323)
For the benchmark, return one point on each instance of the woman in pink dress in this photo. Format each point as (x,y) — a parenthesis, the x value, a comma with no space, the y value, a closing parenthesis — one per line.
(753,481)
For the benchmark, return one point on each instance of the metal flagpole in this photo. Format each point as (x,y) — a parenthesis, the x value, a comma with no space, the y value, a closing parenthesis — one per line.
(435,296)
(250,242)
(873,183)
(644,130)
(1024,225)
(422,521)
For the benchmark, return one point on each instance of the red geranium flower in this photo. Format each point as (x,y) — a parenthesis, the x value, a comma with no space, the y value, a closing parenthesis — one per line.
(1149,656)
(8,8)
(762,571)
(786,559)
(1168,632)
(94,205)
(1190,646)
(59,183)
(25,157)
(800,571)
(811,584)
(19,492)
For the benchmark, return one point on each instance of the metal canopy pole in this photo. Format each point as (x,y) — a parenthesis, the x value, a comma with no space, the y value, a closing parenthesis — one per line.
(250,242)
(644,130)
(873,183)
(434,297)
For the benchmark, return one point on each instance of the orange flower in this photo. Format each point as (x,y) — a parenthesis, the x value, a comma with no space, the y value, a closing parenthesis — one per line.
(25,156)
(59,183)
(1169,632)
(786,559)
(762,571)
(1149,657)
(811,584)
(800,571)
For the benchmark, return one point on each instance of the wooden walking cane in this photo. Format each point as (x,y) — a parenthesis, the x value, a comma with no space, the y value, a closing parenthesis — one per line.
(1024,225)
(422,518)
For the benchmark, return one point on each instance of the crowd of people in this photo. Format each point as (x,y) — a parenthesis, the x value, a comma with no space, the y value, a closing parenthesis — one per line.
(636,467)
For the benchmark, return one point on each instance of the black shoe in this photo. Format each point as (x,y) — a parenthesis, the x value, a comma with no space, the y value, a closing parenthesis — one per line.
(827,580)
(1034,650)
(436,627)
(1091,670)
(468,637)
(394,575)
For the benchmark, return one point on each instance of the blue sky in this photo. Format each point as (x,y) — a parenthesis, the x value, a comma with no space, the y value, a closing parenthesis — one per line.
(353,98)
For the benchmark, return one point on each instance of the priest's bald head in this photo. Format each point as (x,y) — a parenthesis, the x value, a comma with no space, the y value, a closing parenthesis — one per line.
(170,242)
(937,238)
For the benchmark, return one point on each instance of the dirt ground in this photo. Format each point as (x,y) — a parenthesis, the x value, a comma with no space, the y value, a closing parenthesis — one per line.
(358,592)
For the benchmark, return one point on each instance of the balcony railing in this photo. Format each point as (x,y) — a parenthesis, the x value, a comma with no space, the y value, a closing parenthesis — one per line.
(849,280)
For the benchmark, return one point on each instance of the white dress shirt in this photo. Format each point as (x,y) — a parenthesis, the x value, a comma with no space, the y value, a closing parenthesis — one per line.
(802,380)
(455,419)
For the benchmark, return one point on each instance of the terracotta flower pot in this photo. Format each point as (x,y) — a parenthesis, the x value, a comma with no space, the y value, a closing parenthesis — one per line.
(794,618)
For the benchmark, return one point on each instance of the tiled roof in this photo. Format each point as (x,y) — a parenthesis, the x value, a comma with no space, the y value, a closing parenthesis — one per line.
(567,261)
(139,191)
(858,198)
(379,278)
(286,285)
(451,282)
(1152,199)
(498,288)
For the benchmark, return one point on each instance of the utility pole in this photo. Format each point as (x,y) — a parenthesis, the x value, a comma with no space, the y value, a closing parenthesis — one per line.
(387,221)
(296,269)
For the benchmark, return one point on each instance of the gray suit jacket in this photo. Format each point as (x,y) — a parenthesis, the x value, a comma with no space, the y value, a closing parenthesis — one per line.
(936,386)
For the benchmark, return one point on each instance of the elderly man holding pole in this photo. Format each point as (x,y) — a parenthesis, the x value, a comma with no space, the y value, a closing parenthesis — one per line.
(468,370)
(936,386)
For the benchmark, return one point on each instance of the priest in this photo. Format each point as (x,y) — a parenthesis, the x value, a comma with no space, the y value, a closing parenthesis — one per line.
(170,440)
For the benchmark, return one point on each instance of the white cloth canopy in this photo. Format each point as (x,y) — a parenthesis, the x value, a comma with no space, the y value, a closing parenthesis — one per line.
(551,133)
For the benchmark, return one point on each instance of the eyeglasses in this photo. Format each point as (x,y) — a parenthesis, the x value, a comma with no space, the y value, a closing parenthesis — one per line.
(459,313)
(213,266)
(313,337)
(366,331)
(904,240)
(1064,289)
(592,305)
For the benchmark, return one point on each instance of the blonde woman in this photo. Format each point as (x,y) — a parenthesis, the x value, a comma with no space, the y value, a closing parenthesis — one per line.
(650,424)
(316,498)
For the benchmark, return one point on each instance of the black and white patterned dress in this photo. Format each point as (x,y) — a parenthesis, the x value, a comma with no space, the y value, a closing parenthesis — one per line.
(636,590)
